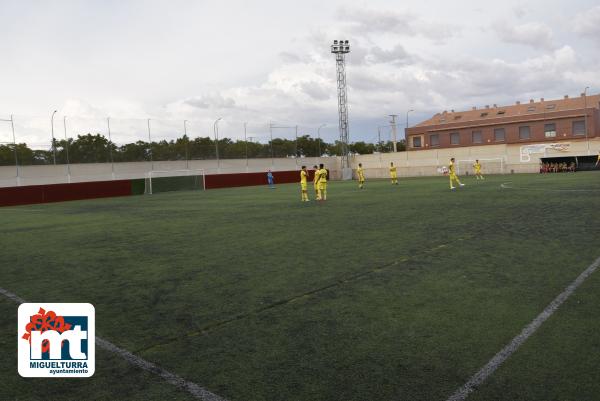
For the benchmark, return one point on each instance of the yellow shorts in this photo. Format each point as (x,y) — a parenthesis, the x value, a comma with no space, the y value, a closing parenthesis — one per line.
(361,179)
(322,186)
(394,175)
(303,186)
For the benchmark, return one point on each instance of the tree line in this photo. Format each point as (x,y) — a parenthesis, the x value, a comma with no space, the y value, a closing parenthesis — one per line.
(96,148)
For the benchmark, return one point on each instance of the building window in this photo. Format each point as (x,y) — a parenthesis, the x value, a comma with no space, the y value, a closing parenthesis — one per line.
(501,112)
(454,138)
(457,117)
(484,114)
(434,140)
(476,137)
(550,130)
(499,134)
(579,127)
(524,132)
(531,108)
(416,141)
(550,107)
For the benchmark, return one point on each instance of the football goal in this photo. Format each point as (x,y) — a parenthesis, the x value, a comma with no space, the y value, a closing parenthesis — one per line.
(488,166)
(174,180)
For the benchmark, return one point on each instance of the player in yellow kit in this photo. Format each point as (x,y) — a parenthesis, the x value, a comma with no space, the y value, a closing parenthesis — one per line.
(393,174)
(360,173)
(453,176)
(598,161)
(322,183)
(303,184)
(315,179)
(477,170)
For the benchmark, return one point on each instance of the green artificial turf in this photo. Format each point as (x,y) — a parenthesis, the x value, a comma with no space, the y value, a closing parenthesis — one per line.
(390,293)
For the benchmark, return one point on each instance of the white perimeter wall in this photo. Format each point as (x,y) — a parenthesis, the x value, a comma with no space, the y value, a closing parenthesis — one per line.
(410,164)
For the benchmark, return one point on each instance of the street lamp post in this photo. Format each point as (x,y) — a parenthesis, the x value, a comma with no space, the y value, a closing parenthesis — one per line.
(187,163)
(297,155)
(12,127)
(585,118)
(405,136)
(319,139)
(271,136)
(150,140)
(14,142)
(67,150)
(394,132)
(216,132)
(246,143)
(112,163)
(379,145)
(53,142)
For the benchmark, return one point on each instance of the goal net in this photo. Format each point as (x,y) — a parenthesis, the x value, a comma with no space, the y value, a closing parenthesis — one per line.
(174,180)
(488,166)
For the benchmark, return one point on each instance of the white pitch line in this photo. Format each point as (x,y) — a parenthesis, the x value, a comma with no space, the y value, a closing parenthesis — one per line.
(508,185)
(486,371)
(194,389)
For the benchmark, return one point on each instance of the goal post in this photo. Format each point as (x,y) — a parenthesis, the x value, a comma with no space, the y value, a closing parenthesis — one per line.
(174,180)
(488,166)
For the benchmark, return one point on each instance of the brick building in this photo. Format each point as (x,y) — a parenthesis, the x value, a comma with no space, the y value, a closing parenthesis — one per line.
(521,123)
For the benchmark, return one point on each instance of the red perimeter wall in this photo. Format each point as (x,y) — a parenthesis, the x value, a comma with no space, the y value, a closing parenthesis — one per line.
(246,179)
(13,196)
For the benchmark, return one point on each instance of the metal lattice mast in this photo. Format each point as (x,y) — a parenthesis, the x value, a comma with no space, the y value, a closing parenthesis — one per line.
(340,48)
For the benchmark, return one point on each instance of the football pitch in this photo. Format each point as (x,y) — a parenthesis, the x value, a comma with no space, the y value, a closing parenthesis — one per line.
(390,293)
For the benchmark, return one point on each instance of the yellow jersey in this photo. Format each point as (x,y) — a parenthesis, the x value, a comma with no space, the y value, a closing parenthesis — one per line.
(302,177)
(360,173)
(393,170)
(451,168)
(477,166)
(322,174)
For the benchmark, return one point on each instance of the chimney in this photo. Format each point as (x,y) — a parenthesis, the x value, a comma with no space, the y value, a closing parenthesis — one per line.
(487,106)
(566,96)
(495,105)
(583,94)
(445,111)
(518,102)
(474,108)
(541,99)
(452,111)
(530,100)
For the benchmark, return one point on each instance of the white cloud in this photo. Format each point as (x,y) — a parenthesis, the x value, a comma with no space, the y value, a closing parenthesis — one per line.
(387,21)
(588,23)
(535,34)
(211,101)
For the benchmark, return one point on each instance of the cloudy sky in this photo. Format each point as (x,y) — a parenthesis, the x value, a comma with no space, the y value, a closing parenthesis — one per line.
(267,61)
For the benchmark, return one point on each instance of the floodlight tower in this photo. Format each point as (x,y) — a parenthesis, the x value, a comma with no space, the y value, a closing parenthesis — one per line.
(340,48)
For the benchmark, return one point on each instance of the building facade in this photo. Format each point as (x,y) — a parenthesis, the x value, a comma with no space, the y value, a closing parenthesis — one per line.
(567,119)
